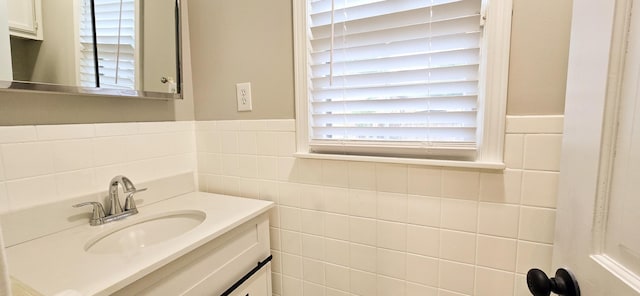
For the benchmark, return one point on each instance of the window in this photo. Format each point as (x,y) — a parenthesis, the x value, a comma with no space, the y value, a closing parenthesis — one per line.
(402,78)
(116,44)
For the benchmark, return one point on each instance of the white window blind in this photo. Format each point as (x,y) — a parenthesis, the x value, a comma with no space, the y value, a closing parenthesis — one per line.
(394,77)
(87,69)
(116,43)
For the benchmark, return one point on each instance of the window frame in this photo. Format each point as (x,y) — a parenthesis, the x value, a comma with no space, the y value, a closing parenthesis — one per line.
(137,50)
(492,98)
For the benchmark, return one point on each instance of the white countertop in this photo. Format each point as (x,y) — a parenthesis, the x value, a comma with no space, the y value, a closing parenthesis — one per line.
(58,263)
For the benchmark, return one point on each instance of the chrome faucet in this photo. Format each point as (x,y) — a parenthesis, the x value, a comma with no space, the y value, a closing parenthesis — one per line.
(115,207)
(116,211)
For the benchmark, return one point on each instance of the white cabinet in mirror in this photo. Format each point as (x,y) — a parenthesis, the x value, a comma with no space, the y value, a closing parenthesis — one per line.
(25,18)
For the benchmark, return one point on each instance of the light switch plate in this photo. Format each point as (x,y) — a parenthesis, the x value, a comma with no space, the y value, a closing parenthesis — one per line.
(243,94)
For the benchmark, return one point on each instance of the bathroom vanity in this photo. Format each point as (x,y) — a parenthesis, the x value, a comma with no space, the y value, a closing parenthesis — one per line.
(192,244)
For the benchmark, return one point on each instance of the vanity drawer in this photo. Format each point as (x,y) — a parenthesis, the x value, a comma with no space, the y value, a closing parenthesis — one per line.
(211,268)
(258,285)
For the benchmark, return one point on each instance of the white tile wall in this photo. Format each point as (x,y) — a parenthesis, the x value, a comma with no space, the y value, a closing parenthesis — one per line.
(341,227)
(17,134)
(4,200)
(360,228)
(46,164)
(23,160)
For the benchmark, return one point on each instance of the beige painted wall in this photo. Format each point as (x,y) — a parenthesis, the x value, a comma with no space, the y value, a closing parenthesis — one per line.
(25,108)
(24,53)
(53,59)
(56,61)
(234,41)
(250,41)
(539,53)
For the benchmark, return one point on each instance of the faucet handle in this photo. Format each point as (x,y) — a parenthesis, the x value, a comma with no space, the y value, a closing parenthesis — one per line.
(139,190)
(98,211)
(130,203)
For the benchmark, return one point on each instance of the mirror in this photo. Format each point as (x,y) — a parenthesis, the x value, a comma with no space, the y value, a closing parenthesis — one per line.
(101,47)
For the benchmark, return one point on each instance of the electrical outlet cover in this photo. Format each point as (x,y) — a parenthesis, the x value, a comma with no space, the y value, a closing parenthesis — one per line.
(243,94)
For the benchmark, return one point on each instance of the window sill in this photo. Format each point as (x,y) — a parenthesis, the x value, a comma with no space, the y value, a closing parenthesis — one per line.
(407,161)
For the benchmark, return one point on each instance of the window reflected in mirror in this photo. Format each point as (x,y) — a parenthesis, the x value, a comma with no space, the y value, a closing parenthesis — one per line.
(111,44)
(116,24)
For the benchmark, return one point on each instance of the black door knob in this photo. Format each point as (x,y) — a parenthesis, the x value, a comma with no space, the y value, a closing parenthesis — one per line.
(564,284)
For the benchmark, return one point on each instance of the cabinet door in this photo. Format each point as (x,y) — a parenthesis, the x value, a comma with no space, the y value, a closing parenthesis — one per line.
(25,18)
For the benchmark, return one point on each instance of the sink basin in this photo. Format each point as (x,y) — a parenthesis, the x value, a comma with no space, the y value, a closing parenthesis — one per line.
(132,237)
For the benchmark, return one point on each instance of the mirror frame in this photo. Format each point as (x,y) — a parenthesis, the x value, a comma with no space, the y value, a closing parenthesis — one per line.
(27,86)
